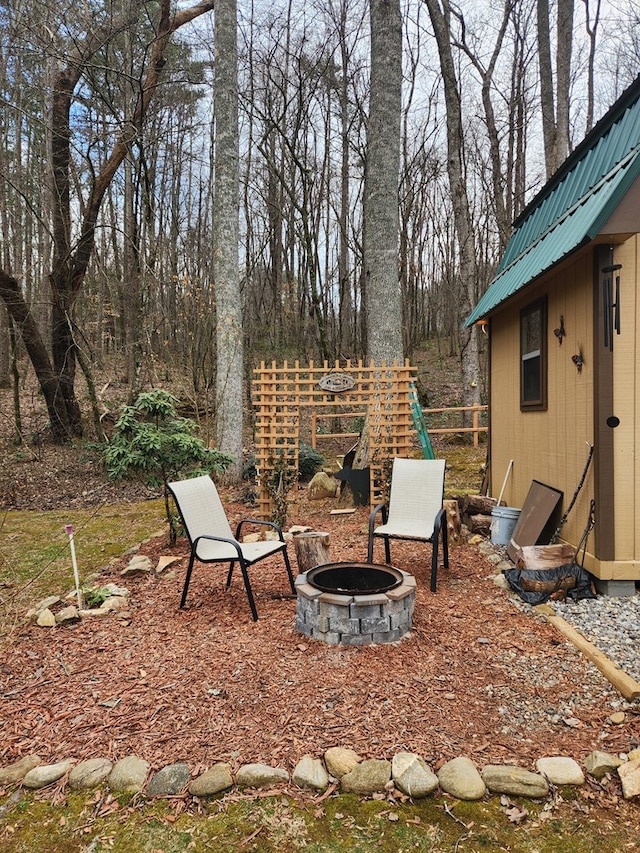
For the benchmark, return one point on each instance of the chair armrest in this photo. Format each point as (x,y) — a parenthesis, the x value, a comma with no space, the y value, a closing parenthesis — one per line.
(270,524)
(217,539)
(437,524)
(381,508)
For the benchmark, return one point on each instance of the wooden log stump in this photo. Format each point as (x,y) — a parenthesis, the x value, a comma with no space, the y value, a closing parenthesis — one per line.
(480,524)
(454,522)
(545,556)
(478,504)
(472,508)
(312,549)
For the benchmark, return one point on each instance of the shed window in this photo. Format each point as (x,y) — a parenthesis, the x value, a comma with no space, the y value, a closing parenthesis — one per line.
(533,356)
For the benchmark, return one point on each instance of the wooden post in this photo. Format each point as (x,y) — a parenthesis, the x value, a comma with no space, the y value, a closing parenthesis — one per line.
(540,557)
(623,682)
(312,549)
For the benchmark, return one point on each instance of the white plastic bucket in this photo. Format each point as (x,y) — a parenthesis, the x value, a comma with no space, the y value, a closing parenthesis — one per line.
(503,522)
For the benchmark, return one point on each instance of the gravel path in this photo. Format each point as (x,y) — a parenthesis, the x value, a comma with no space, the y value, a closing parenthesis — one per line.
(611,624)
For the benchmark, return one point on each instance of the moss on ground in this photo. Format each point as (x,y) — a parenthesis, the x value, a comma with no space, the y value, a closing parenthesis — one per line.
(343,823)
(465,467)
(35,555)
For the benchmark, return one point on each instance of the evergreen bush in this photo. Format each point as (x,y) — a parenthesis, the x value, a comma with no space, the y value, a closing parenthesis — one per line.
(309,461)
(153,442)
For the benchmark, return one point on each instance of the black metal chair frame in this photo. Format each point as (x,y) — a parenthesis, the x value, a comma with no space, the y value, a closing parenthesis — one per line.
(440,526)
(241,558)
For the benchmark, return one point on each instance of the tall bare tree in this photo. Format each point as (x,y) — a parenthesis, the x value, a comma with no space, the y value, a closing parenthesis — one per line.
(381,224)
(486,72)
(440,15)
(226,269)
(592,32)
(555,110)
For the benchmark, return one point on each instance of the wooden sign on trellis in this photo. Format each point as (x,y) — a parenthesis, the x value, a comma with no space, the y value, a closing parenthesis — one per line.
(381,393)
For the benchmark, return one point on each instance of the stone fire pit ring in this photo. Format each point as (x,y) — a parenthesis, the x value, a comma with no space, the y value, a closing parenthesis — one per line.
(347,616)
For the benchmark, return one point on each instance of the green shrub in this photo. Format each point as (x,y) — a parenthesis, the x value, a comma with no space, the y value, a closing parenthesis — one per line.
(152,442)
(309,461)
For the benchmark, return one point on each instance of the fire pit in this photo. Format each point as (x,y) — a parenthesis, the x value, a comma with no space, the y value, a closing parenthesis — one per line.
(355,604)
(354,578)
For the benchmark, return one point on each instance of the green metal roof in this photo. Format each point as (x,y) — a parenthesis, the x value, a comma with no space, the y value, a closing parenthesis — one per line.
(573,205)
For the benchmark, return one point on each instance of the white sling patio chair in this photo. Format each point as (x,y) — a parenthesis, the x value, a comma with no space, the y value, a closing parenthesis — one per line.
(211,539)
(414,511)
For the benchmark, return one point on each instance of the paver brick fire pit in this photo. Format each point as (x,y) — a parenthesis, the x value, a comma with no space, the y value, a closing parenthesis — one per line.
(355,604)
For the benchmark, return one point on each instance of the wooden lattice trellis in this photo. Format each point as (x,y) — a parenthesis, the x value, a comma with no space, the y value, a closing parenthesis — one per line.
(380,392)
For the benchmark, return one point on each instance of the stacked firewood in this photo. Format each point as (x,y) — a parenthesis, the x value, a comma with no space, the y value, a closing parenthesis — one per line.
(474,512)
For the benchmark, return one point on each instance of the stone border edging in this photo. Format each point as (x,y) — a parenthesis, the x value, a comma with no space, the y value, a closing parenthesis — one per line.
(341,769)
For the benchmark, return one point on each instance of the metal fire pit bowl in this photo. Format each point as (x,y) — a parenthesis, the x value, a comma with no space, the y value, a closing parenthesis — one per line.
(354,578)
(355,604)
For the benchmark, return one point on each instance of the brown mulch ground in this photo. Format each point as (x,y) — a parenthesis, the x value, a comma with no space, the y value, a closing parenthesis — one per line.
(475,676)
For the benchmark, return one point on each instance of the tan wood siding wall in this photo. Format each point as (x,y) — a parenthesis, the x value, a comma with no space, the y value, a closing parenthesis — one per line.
(550,446)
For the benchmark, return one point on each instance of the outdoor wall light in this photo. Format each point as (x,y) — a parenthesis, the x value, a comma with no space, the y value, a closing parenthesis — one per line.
(560,332)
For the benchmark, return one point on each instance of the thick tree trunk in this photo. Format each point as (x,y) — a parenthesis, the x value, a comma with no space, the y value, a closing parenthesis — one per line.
(63,350)
(563,77)
(546,87)
(555,116)
(15,374)
(5,356)
(346,332)
(382,273)
(32,340)
(226,268)
(469,355)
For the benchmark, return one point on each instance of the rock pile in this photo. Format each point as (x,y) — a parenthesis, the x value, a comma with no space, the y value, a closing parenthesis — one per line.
(55,610)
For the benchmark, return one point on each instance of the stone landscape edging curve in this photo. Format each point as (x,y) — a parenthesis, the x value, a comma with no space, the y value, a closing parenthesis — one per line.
(340,770)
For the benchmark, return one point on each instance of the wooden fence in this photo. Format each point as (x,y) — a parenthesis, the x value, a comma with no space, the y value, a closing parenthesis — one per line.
(476,428)
(378,393)
(315,417)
